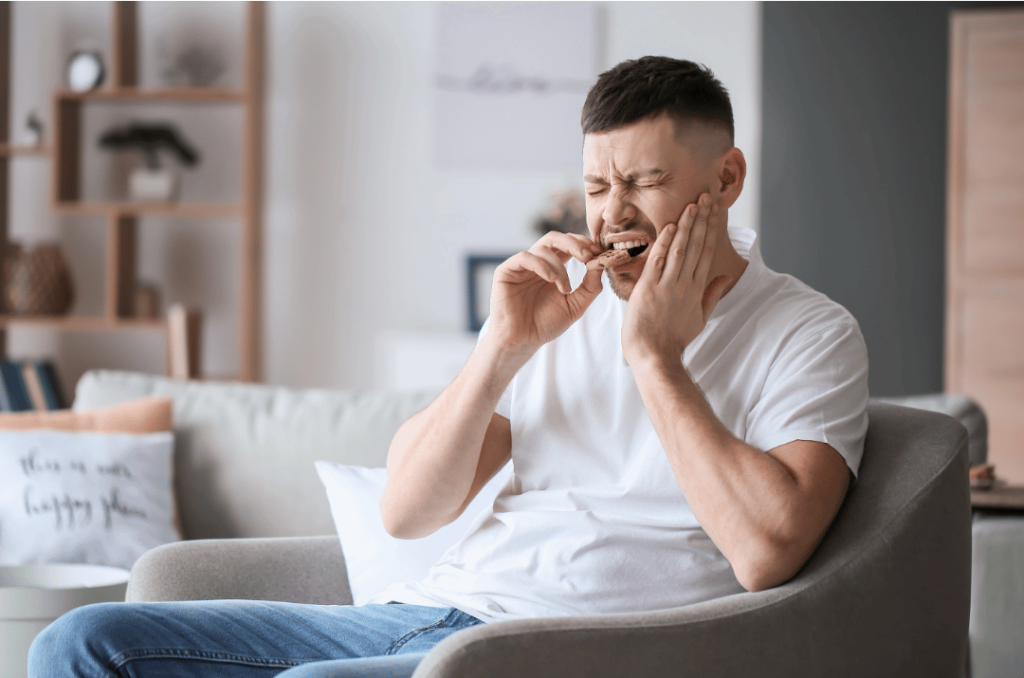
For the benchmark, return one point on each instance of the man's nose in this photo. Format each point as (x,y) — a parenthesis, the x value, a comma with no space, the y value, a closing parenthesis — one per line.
(618,209)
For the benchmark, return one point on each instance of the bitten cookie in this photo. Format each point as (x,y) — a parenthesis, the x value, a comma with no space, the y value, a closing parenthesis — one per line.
(608,259)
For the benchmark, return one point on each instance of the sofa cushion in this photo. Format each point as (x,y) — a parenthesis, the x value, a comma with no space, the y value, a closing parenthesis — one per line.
(245,453)
(374,559)
(146,415)
(84,497)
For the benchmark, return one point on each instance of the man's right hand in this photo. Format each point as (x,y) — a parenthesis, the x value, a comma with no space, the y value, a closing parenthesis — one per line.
(531,299)
(442,456)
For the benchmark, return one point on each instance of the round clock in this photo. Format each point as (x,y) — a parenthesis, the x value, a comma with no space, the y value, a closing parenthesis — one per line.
(85,71)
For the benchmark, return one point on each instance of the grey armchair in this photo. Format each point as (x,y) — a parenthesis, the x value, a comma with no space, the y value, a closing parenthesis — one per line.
(887,593)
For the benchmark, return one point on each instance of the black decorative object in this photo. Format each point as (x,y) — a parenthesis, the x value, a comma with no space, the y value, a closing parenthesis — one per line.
(151,182)
(150,138)
(33,134)
(479,277)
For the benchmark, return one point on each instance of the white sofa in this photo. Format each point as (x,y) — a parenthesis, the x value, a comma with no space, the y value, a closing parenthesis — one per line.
(886,593)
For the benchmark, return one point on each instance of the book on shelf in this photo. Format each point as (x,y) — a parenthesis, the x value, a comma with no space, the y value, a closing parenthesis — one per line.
(13,381)
(29,385)
(50,385)
(5,401)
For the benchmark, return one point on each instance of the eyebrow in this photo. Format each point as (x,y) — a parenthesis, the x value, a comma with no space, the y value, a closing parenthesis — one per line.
(639,174)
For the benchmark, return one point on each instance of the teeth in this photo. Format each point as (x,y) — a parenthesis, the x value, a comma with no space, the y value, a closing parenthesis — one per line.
(629,244)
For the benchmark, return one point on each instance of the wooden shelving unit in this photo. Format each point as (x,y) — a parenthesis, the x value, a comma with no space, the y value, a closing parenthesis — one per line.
(122,217)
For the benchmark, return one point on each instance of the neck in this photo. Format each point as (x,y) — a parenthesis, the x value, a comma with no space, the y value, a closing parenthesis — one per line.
(727,260)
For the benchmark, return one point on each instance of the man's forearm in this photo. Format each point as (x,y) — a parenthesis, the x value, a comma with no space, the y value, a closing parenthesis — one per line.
(435,463)
(749,503)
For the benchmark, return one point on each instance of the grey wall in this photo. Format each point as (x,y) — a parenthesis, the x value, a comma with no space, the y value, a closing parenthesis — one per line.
(853,185)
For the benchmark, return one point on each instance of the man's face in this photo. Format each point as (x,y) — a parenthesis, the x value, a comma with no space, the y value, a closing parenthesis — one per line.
(638,179)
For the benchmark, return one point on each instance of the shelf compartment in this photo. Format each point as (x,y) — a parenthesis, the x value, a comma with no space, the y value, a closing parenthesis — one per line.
(67,165)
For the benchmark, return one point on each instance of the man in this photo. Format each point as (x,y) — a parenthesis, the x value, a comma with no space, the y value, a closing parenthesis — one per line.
(689,435)
(694,431)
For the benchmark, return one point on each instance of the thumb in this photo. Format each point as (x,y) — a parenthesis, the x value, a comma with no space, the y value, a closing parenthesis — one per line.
(582,296)
(713,294)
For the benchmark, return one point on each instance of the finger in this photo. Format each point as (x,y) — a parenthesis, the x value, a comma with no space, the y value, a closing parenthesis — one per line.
(569,245)
(554,258)
(713,294)
(531,263)
(676,254)
(656,260)
(708,253)
(698,234)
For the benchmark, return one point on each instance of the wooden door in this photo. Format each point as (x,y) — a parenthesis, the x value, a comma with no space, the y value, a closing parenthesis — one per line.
(985,227)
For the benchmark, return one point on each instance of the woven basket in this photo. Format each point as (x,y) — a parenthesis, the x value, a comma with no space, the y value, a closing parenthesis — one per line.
(36,282)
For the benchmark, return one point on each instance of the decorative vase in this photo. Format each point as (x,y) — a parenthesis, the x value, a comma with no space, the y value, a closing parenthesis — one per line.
(36,281)
(153,184)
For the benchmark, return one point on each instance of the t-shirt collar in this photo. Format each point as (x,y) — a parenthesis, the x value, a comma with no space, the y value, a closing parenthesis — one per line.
(744,241)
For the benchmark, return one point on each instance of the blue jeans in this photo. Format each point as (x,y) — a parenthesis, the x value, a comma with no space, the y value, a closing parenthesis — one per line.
(234,638)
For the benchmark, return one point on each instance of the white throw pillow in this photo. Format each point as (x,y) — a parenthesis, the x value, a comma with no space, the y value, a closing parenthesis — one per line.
(75,497)
(375,559)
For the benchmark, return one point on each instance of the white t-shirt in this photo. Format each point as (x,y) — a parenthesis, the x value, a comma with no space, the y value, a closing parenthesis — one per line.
(593,520)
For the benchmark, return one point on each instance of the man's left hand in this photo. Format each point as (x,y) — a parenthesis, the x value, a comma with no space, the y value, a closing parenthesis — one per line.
(672,300)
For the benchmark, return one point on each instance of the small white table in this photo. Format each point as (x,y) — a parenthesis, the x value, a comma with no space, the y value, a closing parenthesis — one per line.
(32,596)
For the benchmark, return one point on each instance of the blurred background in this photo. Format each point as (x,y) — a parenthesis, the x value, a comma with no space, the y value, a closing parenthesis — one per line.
(375,191)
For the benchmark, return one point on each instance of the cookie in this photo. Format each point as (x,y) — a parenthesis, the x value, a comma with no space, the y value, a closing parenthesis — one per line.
(608,259)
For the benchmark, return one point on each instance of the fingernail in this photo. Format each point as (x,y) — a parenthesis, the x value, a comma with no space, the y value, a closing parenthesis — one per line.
(705,200)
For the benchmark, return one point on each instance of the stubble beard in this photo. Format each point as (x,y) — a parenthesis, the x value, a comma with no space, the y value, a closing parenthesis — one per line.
(624,288)
(621,289)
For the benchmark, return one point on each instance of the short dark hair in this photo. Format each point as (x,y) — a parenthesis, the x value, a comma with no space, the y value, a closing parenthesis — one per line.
(650,85)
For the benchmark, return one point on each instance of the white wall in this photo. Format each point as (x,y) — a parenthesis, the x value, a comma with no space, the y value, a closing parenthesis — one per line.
(363,236)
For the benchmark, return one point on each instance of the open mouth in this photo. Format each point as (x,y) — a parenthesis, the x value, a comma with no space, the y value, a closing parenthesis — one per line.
(633,247)
(618,254)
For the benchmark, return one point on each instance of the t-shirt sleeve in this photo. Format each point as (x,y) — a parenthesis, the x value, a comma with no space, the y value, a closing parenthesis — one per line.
(816,389)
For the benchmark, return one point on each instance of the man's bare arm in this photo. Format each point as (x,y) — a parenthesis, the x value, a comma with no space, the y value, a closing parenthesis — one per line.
(765,512)
(442,456)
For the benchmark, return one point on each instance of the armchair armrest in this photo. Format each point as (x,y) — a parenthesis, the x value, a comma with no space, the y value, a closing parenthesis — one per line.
(293,569)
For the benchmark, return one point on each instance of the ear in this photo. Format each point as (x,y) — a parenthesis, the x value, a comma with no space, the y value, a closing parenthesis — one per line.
(731,170)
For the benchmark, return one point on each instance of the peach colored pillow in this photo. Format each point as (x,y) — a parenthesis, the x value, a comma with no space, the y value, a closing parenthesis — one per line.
(146,415)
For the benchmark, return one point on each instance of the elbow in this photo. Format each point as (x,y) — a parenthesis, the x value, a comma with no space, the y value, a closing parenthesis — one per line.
(405,524)
(761,579)
(769,567)
(392,526)
(395,523)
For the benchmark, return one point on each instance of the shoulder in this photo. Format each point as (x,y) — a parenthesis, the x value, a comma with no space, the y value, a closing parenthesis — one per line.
(794,311)
(780,305)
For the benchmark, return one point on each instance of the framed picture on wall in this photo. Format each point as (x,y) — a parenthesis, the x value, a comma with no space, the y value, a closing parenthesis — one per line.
(479,276)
